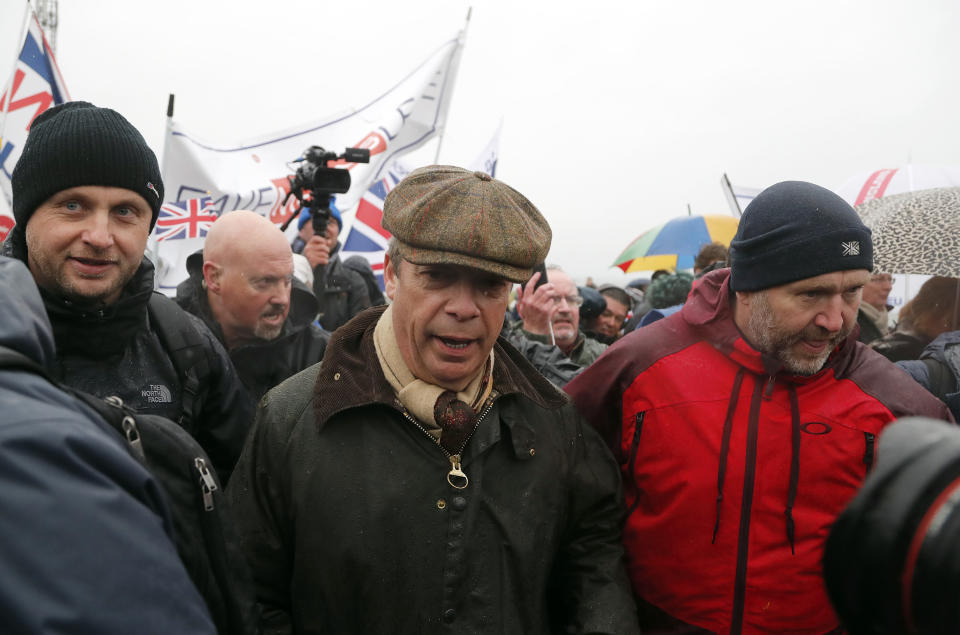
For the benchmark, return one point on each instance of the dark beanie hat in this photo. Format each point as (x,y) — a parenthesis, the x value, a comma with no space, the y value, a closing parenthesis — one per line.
(795,230)
(77,144)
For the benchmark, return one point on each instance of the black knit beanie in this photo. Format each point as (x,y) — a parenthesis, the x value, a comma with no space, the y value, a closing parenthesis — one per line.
(795,230)
(77,144)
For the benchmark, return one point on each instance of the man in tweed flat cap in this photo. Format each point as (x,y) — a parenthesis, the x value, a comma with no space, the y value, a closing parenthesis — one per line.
(424,478)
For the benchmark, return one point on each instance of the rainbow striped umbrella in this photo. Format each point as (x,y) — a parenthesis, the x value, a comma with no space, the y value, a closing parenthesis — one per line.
(674,245)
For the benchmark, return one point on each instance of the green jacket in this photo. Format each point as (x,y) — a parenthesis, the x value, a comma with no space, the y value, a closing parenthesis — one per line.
(350,525)
(584,352)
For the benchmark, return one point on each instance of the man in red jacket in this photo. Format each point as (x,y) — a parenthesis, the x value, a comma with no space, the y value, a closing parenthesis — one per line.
(745,422)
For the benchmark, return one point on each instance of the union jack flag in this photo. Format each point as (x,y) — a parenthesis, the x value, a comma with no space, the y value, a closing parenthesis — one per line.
(185,219)
(367,236)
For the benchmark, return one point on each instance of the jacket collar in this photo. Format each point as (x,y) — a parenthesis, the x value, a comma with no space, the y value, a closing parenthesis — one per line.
(708,311)
(99,333)
(350,375)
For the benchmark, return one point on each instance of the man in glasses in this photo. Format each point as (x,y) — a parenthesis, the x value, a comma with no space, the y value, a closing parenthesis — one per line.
(873,317)
(551,314)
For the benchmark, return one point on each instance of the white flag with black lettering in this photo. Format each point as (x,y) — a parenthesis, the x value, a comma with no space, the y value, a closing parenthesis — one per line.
(254,175)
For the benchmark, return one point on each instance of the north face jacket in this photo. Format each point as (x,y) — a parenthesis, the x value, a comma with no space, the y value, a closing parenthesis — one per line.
(734,470)
(117,351)
(86,537)
(350,524)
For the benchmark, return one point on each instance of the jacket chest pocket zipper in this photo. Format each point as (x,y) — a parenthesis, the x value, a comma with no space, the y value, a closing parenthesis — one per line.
(634,447)
(870,441)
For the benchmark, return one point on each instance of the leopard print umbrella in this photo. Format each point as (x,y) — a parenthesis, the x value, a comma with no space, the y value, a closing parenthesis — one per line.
(916,232)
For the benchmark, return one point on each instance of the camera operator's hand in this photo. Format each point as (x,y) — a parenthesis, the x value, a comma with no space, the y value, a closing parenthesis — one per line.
(536,306)
(317,251)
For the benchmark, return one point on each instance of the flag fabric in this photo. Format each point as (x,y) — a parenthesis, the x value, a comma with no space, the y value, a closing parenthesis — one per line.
(367,237)
(738,197)
(187,219)
(486,161)
(253,175)
(35,85)
(6,218)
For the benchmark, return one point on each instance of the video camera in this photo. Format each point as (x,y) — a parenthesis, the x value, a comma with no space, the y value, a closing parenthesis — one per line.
(316,182)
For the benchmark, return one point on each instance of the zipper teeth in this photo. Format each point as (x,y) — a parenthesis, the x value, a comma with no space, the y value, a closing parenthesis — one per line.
(480,418)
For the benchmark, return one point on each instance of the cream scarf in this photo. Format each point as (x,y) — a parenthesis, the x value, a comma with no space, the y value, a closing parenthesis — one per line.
(416,395)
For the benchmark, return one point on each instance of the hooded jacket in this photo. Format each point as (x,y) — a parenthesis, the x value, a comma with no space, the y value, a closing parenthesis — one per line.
(734,469)
(351,526)
(85,534)
(264,364)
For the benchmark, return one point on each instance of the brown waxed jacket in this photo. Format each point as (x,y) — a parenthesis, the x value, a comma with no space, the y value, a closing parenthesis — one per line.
(350,524)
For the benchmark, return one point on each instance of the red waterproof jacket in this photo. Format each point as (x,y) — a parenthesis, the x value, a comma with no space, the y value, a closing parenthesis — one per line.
(734,470)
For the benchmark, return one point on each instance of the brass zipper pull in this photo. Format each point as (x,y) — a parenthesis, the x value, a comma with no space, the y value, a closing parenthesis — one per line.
(455,476)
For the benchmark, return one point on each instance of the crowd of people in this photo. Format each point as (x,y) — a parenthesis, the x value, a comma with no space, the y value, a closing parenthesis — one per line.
(484,448)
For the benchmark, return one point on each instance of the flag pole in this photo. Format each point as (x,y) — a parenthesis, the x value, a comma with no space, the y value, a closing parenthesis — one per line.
(731,196)
(462,38)
(166,133)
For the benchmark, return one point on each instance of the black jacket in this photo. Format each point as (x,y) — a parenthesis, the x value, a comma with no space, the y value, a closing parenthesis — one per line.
(341,292)
(900,346)
(117,351)
(350,525)
(264,364)
(869,331)
(85,533)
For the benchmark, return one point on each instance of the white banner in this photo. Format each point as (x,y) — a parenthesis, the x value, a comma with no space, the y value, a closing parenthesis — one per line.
(34,86)
(486,161)
(254,175)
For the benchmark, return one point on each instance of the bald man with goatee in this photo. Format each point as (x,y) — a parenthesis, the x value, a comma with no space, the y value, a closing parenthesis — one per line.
(242,286)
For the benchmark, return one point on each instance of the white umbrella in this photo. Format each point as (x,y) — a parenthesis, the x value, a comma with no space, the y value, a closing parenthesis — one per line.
(867,186)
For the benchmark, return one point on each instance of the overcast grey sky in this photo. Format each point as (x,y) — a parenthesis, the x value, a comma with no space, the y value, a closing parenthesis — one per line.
(616,114)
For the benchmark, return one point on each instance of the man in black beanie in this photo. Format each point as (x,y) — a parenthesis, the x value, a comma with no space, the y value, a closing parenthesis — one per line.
(86,194)
(744,422)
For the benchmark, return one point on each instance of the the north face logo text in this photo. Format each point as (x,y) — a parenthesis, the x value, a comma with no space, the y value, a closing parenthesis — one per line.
(157,393)
(851,248)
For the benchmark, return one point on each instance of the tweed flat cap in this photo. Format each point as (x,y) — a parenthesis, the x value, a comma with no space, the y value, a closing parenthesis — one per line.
(445,214)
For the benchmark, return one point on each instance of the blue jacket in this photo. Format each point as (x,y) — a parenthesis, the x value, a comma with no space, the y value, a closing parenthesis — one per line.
(85,534)
(945,349)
